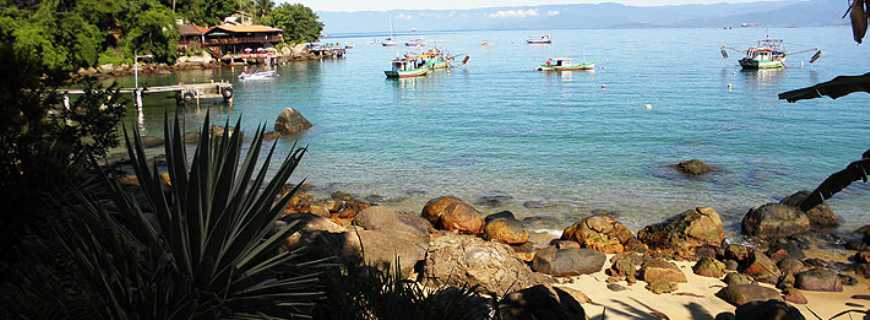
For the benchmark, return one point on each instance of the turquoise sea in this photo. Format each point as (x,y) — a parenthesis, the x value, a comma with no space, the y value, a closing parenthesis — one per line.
(570,143)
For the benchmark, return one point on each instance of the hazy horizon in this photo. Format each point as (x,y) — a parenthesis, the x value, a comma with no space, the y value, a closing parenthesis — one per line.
(391,5)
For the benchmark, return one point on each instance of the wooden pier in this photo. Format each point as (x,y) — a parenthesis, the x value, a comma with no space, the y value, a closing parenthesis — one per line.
(185,93)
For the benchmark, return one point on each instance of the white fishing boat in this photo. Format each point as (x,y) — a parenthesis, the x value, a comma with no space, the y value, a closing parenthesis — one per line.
(262,75)
(416,43)
(389,41)
(544,39)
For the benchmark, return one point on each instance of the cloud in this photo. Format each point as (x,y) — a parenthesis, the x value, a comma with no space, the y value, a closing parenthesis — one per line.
(552,13)
(514,13)
(405,17)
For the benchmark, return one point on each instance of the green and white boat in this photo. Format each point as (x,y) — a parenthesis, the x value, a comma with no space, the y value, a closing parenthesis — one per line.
(408,67)
(565,64)
(767,54)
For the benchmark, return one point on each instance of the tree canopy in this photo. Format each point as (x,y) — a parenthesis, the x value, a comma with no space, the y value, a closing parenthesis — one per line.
(299,22)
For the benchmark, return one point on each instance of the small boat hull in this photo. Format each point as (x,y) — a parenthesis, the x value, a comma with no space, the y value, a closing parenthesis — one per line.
(752,64)
(573,67)
(530,41)
(406,74)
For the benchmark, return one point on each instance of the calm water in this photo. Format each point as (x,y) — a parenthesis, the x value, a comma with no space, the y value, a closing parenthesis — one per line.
(497,127)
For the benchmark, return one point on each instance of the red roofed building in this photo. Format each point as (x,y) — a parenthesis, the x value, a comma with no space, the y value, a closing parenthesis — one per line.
(191,35)
(235,38)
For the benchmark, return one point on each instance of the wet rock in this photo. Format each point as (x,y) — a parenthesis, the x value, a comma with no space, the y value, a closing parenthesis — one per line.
(290,122)
(693,167)
(761,268)
(542,223)
(685,232)
(494,200)
(540,302)
(790,265)
(375,198)
(624,266)
(821,216)
(452,214)
(738,295)
(568,262)
(767,310)
(736,279)
(661,286)
(532,204)
(525,252)
(506,230)
(600,233)
(784,248)
(500,215)
(564,244)
(459,260)
(775,221)
(818,280)
(794,296)
(709,267)
(658,269)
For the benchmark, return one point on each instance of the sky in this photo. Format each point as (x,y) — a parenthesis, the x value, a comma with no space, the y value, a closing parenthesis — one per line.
(383,5)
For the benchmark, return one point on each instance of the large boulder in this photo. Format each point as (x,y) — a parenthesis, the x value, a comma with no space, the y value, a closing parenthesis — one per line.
(767,310)
(709,267)
(506,230)
(384,249)
(819,279)
(459,260)
(744,293)
(452,214)
(392,221)
(762,268)
(693,167)
(600,233)
(659,269)
(821,216)
(291,122)
(540,302)
(568,262)
(684,233)
(774,221)
(625,266)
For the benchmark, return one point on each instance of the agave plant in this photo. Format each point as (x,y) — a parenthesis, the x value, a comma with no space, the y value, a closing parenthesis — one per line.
(211,248)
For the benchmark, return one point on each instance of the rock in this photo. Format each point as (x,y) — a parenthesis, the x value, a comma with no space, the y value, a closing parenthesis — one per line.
(731,265)
(794,296)
(534,204)
(685,232)
(459,260)
(821,216)
(818,279)
(693,167)
(508,231)
(761,268)
(452,214)
(500,215)
(542,223)
(625,266)
(736,279)
(393,222)
(576,294)
(767,310)
(786,281)
(129,181)
(784,248)
(271,135)
(791,265)
(525,252)
(106,68)
(291,122)
(659,269)
(738,253)
(616,287)
(494,200)
(744,293)
(540,302)
(311,223)
(600,233)
(568,262)
(709,267)
(564,244)
(151,142)
(774,221)
(382,249)
(191,137)
(661,286)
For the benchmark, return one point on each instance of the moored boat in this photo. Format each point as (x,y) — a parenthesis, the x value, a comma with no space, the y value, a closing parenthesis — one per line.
(565,64)
(767,54)
(388,42)
(544,39)
(262,75)
(415,43)
(408,67)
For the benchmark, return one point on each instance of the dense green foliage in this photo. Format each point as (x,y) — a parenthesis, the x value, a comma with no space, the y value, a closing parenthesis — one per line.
(300,23)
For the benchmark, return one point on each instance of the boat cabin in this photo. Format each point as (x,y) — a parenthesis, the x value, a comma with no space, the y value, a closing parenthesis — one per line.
(558,62)
(766,50)
(405,65)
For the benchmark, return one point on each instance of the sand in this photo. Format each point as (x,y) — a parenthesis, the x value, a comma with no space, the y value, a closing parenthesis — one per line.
(694,300)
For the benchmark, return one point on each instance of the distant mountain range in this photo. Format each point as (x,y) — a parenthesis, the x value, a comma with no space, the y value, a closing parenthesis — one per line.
(782,13)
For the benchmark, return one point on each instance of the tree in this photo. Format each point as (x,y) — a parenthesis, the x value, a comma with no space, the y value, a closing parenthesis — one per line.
(263,8)
(153,33)
(210,12)
(300,23)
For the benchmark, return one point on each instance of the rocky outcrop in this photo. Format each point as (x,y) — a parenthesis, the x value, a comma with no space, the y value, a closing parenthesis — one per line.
(506,230)
(709,267)
(452,214)
(568,262)
(460,260)
(600,233)
(821,216)
(775,221)
(818,279)
(738,295)
(290,122)
(684,233)
(540,302)
(693,167)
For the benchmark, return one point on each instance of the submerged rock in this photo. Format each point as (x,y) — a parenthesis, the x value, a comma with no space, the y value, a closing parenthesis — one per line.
(540,302)
(459,260)
(452,214)
(601,233)
(684,233)
(290,122)
(693,167)
(493,200)
(568,262)
(775,221)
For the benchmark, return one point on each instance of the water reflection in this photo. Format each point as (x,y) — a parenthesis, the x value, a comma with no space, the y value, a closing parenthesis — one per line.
(762,78)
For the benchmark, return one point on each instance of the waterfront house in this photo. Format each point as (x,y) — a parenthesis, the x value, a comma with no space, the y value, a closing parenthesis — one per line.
(236,39)
(191,35)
